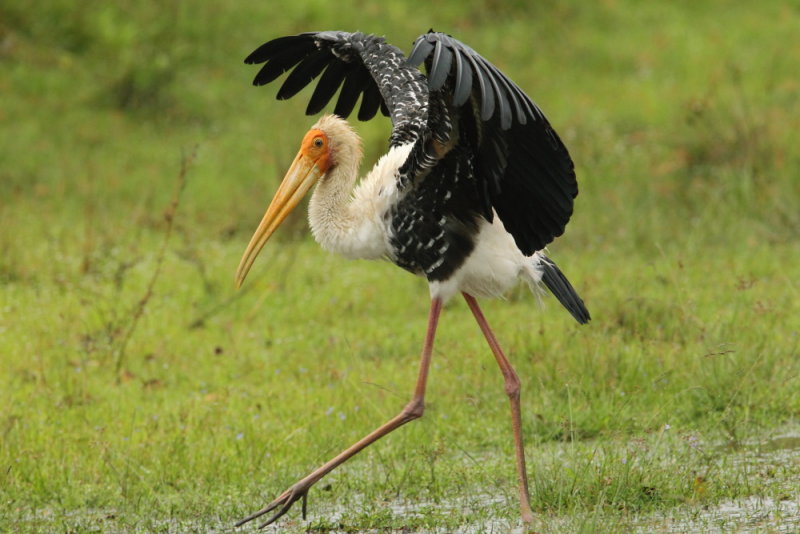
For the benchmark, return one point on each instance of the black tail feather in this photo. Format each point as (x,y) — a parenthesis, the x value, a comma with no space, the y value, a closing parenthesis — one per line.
(558,284)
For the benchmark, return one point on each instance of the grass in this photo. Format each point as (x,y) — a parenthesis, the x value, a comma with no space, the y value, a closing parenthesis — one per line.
(140,392)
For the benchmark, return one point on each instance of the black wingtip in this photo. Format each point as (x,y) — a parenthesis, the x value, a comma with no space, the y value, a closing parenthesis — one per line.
(252,58)
(557,283)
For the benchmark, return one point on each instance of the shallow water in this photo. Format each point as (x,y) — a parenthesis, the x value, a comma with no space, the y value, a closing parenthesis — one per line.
(750,515)
(754,514)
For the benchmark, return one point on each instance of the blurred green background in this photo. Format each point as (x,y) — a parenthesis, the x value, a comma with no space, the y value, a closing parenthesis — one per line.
(140,391)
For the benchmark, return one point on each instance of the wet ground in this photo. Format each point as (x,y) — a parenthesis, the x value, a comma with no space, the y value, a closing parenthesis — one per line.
(779,513)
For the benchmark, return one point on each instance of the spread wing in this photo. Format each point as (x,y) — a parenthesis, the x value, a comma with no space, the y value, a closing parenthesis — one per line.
(525,171)
(521,169)
(362,65)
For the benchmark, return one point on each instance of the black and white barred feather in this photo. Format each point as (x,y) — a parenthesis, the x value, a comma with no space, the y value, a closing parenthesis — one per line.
(434,224)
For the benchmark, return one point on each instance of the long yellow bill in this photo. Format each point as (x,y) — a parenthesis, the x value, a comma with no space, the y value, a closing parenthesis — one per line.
(302,175)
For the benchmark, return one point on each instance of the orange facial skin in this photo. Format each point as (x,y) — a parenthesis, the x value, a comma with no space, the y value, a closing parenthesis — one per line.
(316,147)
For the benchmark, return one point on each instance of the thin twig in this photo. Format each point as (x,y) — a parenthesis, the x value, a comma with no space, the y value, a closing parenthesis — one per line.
(169,217)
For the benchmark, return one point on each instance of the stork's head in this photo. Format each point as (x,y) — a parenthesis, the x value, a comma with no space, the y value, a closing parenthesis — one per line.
(323,146)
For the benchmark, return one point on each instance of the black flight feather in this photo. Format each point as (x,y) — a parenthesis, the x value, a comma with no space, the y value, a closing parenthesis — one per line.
(327,86)
(304,73)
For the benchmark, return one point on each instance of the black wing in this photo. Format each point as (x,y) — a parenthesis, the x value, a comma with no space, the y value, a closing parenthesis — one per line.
(363,65)
(524,170)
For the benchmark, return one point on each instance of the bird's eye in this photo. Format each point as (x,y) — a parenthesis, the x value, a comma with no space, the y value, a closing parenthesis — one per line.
(318,142)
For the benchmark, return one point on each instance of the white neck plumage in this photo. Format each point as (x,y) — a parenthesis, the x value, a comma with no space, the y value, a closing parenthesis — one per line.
(332,211)
(346,218)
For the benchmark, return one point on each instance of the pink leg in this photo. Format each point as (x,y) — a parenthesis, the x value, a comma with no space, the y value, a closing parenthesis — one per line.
(512,390)
(413,410)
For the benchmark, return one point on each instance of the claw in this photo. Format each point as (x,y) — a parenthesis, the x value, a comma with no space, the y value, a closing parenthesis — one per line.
(279,513)
(285,500)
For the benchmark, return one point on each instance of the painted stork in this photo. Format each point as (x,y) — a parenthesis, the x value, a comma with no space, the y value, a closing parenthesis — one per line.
(474,185)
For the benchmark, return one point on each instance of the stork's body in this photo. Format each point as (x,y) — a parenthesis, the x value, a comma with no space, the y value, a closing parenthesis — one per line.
(361,221)
(474,184)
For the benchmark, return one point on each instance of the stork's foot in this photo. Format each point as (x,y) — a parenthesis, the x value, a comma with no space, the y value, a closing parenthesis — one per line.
(282,504)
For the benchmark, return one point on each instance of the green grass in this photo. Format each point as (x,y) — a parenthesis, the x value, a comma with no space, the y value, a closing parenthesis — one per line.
(141,392)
